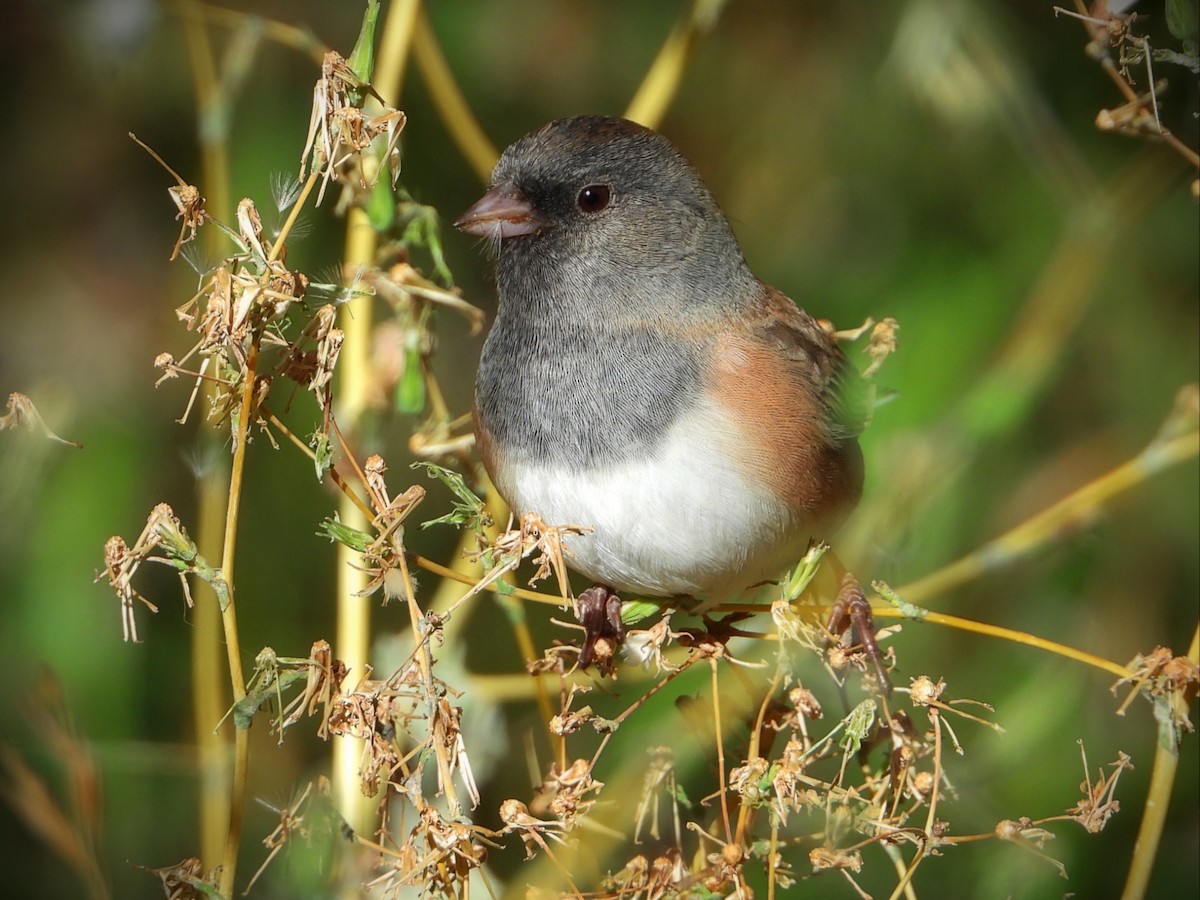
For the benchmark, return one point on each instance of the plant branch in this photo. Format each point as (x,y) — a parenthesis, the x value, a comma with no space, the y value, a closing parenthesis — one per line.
(1055,521)
(241,765)
(1158,796)
(452,107)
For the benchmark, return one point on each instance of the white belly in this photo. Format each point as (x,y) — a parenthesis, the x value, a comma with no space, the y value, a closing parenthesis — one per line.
(685,521)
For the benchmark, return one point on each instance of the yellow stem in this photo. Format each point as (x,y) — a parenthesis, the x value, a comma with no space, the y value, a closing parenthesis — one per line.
(354,374)
(1052,521)
(441,742)
(1010,634)
(209,699)
(1158,797)
(241,764)
(394,43)
(298,39)
(452,107)
(208,696)
(720,742)
(665,75)
(469,581)
(293,214)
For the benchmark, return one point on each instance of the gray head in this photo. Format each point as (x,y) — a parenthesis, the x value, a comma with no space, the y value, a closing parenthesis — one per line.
(598,210)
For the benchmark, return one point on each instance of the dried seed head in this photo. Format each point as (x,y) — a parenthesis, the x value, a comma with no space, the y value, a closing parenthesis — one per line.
(925,691)
(805,703)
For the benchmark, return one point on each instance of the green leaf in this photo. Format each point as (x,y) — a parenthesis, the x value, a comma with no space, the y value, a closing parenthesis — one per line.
(1181,19)
(244,709)
(410,389)
(910,610)
(381,205)
(422,228)
(634,611)
(801,576)
(344,534)
(362,57)
(858,726)
(469,510)
(322,453)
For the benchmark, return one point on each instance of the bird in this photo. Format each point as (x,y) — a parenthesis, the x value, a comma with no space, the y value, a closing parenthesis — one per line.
(640,381)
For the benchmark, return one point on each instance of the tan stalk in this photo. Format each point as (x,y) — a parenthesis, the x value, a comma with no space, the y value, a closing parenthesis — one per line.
(1158,797)
(209,698)
(452,107)
(1053,521)
(241,758)
(662,80)
(354,374)
(299,39)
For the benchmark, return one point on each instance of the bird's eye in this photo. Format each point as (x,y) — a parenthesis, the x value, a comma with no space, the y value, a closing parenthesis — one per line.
(594,198)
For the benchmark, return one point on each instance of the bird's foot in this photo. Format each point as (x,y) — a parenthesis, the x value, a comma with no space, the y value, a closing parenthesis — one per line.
(599,612)
(851,614)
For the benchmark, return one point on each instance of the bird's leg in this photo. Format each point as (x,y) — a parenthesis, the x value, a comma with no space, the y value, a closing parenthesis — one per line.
(851,613)
(599,612)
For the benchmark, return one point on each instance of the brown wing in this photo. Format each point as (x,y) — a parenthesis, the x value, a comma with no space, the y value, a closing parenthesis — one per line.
(789,390)
(798,337)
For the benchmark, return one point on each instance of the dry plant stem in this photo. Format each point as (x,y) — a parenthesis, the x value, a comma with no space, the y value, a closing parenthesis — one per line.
(425,662)
(468,581)
(463,575)
(452,107)
(343,485)
(935,618)
(753,752)
(1054,521)
(241,758)
(398,29)
(931,818)
(720,740)
(515,613)
(1158,798)
(353,609)
(299,39)
(208,696)
(293,215)
(662,80)
(1131,96)
(771,859)
(1017,637)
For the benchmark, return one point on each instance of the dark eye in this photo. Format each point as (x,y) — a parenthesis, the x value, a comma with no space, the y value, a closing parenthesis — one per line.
(594,198)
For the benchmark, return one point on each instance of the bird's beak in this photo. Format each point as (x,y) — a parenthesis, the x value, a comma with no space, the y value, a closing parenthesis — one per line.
(503,212)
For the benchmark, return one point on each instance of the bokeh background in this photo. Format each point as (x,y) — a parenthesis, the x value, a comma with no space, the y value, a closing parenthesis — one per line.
(931,161)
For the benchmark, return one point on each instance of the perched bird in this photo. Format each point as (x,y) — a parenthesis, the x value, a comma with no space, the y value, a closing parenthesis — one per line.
(640,380)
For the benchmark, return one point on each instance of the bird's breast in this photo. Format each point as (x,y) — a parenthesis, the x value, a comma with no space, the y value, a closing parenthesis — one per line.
(681,519)
(580,397)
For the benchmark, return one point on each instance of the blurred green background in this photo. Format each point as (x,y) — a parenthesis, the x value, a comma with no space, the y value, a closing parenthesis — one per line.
(934,162)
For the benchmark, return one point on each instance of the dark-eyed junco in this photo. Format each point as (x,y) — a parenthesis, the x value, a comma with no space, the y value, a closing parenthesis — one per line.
(640,380)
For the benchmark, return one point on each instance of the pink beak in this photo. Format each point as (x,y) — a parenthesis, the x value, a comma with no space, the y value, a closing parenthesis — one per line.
(503,212)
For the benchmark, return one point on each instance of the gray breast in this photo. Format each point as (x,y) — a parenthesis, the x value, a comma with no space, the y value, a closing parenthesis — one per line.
(559,393)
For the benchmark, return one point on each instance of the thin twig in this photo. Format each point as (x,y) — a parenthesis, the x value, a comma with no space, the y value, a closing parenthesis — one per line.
(241,759)
(1158,796)
(665,75)
(451,106)
(208,699)
(1054,521)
